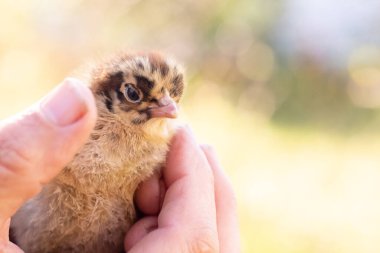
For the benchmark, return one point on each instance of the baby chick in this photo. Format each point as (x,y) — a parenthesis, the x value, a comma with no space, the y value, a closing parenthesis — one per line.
(89,206)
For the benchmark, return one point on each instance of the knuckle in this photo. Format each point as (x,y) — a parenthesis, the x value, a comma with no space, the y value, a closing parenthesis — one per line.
(205,241)
(13,156)
(22,141)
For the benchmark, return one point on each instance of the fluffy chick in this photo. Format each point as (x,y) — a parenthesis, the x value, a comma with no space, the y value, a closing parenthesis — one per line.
(89,206)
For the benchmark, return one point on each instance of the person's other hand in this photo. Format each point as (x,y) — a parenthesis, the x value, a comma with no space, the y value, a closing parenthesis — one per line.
(191,209)
(37,144)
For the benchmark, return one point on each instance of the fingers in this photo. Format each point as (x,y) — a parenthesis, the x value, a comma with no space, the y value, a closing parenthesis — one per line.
(4,230)
(36,145)
(150,195)
(5,244)
(190,195)
(9,247)
(187,220)
(228,230)
(139,231)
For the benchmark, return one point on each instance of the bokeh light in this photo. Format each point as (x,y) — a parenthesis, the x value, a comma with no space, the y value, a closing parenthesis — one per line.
(364,70)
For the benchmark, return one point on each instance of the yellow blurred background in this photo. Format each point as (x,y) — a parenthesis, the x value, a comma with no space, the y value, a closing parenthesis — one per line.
(287,91)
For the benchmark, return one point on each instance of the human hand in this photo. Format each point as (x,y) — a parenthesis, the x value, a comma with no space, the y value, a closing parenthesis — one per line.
(37,144)
(192,209)
(198,213)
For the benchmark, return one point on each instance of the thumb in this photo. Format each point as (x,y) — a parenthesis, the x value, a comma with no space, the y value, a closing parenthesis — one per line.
(35,145)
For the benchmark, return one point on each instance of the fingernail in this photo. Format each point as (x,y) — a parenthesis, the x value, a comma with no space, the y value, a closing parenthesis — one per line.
(67,103)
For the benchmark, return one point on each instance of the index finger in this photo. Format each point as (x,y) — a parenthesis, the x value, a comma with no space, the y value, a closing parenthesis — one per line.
(190,185)
(187,220)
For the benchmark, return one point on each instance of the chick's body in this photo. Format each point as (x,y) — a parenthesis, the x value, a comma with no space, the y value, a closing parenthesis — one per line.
(89,207)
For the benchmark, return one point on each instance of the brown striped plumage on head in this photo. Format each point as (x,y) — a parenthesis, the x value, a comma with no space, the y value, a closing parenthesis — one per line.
(139,87)
(89,206)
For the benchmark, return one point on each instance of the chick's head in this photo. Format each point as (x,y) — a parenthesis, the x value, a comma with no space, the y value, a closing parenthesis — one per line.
(139,87)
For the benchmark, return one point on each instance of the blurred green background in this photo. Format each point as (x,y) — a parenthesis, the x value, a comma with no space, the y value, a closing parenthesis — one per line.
(287,91)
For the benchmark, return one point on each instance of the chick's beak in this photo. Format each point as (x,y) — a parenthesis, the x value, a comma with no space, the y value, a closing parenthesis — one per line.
(166,108)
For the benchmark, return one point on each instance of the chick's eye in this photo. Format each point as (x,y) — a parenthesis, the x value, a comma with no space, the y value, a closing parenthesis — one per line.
(131,94)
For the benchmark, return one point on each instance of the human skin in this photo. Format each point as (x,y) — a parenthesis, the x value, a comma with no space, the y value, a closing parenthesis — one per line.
(197,208)
(190,208)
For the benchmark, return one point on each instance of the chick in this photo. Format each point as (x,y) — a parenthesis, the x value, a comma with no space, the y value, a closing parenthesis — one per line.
(89,206)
